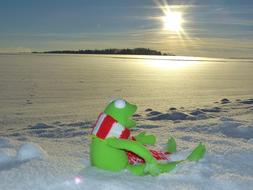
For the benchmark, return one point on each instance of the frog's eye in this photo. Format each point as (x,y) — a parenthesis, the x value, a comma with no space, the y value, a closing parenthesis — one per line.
(119,103)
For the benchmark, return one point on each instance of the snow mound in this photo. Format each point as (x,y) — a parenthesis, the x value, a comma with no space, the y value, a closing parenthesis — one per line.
(225,101)
(148,126)
(173,116)
(248,101)
(214,109)
(153,113)
(172,109)
(29,151)
(136,116)
(199,114)
(41,126)
(11,157)
(148,110)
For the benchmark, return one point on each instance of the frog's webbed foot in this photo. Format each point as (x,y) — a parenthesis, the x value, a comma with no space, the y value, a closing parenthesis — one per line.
(153,169)
(145,169)
(137,169)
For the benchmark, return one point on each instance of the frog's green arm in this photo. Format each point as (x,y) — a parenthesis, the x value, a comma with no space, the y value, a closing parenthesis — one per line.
(132,146)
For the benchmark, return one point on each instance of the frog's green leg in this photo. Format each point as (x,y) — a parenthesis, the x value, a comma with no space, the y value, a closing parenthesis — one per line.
(145,139)
(133,146)
(168,166)
(141,169)
(151,166)
(197,153)
(137,169)
(171,145)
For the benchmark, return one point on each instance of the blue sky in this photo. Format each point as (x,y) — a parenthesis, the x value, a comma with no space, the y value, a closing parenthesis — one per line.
(215,28)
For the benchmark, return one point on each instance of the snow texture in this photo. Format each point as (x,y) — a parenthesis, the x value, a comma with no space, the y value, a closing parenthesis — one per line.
(226,165)
(48,105)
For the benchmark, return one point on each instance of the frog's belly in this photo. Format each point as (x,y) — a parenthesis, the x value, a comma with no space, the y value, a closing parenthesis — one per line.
(105,157)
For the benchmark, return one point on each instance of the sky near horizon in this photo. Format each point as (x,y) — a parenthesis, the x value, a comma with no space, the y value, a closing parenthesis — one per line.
(212,28)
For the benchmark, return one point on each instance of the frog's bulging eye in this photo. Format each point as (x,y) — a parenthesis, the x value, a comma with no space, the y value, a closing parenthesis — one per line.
(120,104)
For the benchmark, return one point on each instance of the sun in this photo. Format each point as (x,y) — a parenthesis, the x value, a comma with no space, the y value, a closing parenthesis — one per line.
(172,21)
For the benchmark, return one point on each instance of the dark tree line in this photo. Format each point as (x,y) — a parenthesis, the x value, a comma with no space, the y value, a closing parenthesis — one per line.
(135,51)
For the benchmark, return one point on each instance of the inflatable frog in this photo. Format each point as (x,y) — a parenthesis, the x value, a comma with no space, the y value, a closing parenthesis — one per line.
(112,147)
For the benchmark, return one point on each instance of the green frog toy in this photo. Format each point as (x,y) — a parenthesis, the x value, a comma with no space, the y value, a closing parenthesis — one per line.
(112,147)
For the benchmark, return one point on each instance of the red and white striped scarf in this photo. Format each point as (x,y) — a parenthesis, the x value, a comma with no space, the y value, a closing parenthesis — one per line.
(106,127)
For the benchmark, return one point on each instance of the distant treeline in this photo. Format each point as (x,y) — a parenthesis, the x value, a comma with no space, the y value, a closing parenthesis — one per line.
(135,51)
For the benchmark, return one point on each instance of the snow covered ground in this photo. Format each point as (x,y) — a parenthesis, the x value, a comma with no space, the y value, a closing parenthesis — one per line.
(48,105)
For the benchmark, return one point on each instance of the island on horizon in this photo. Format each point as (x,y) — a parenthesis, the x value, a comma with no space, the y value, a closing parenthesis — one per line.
(126,51)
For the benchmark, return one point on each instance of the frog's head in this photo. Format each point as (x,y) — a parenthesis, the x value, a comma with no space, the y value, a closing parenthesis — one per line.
(122,111)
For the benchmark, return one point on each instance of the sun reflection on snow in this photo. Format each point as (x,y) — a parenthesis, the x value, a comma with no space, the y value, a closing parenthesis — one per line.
(170,64)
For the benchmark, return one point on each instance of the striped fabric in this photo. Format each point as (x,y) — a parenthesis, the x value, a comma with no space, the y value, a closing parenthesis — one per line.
(106,127)
(134,159)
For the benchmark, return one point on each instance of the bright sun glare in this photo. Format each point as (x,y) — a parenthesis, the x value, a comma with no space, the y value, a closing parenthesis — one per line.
(171,64)
(172,21)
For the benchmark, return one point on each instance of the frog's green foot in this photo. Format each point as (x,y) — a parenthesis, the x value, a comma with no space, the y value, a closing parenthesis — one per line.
(137,169)
(145,169)
(197,153)
(168,166)
(171,145)
(152,169)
